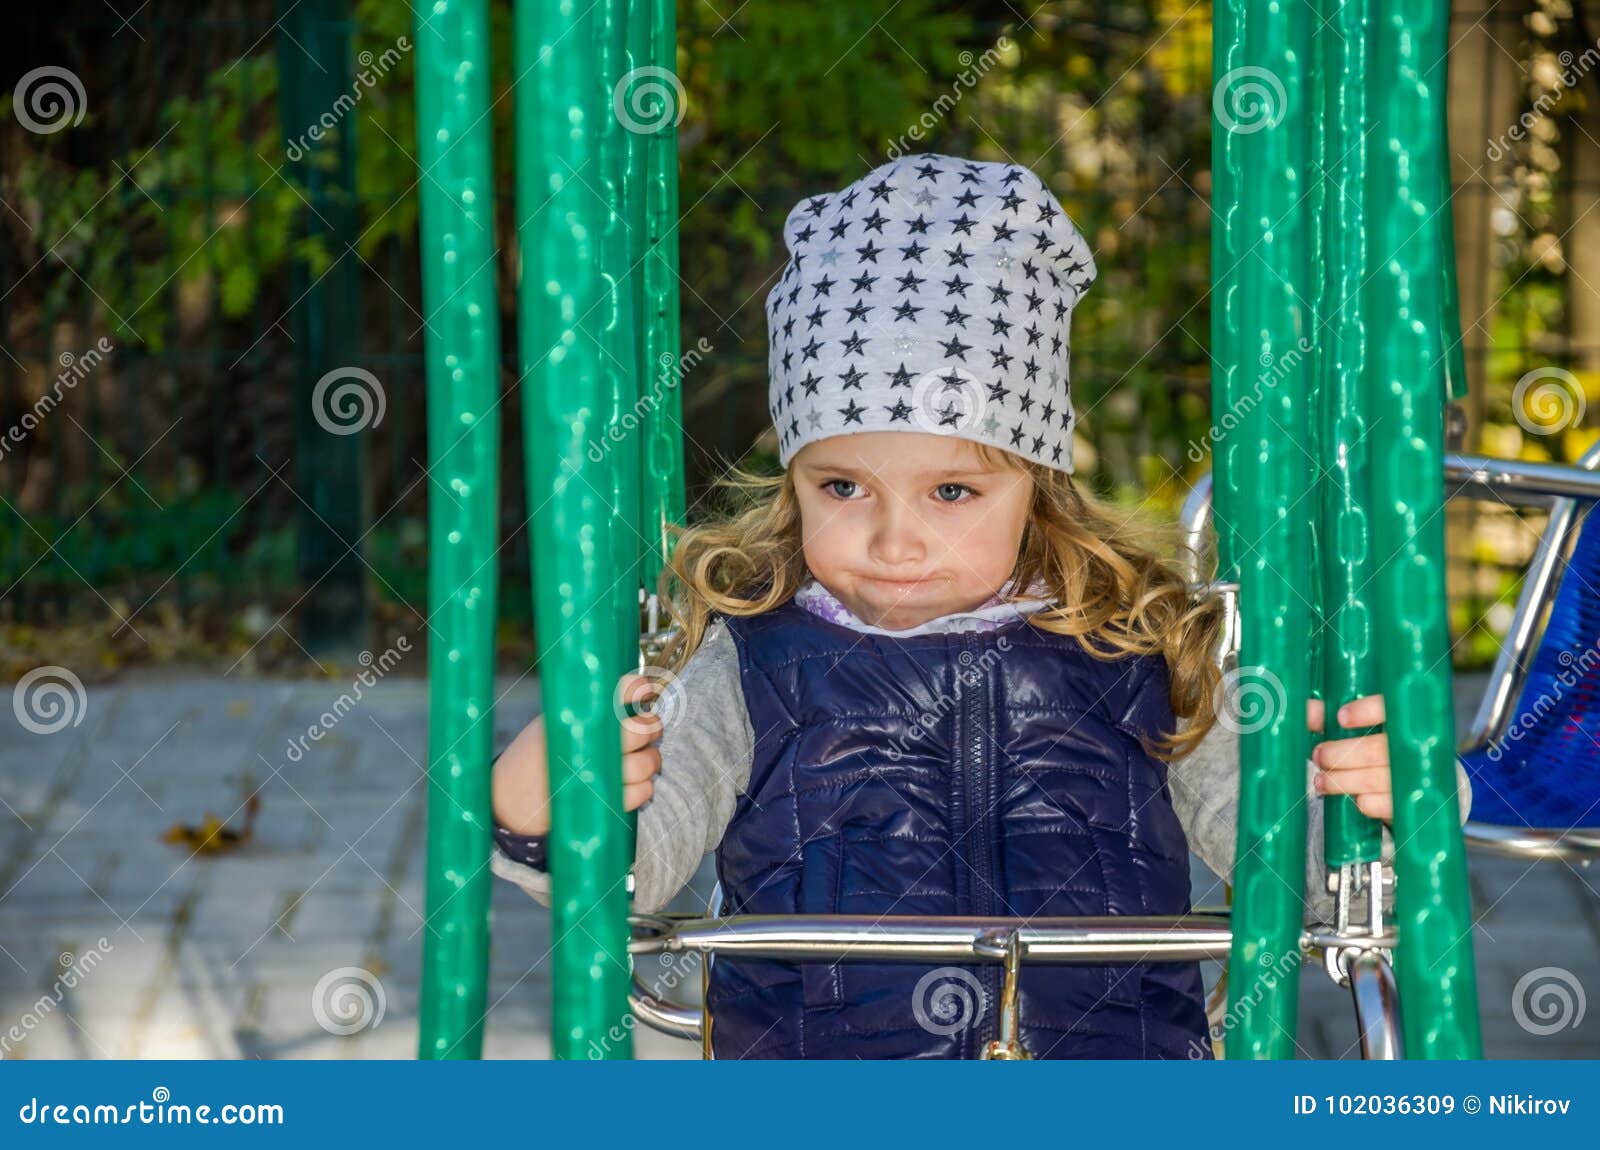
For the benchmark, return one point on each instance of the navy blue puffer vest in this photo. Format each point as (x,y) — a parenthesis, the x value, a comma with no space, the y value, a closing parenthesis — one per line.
(964,773)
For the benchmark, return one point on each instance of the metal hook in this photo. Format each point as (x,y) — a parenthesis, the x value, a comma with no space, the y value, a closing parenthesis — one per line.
(1008,1046)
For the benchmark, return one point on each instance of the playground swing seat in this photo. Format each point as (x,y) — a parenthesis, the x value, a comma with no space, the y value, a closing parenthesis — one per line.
(592,331)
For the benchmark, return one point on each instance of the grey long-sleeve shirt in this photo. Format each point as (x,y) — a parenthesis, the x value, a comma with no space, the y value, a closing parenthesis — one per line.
(707,747)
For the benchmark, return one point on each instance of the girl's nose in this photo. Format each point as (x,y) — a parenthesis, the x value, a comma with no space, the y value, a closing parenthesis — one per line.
(897,538)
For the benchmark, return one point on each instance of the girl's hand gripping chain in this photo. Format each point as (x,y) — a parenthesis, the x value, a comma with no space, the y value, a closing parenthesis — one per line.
(1357,766)
(521,783)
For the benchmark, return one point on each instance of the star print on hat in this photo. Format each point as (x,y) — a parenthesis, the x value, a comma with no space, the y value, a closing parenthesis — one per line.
(933,295)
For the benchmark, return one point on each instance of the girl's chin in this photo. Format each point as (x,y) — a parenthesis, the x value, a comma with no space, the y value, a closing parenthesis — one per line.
(898,614)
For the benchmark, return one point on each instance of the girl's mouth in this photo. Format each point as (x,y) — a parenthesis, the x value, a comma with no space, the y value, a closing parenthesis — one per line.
(905,585)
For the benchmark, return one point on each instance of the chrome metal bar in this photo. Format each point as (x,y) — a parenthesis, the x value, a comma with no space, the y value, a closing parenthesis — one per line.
(1543,577)
(1196,520)
(1511,665)
(1333,939)
(1567,490)
(1571,490)
(1577,844)
(1052,941)
(1518,480)
(667,1017)
(1119,938)
(1377,1002)
(1513,481)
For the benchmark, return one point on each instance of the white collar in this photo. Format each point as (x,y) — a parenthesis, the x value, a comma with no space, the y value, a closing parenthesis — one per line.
(817,599)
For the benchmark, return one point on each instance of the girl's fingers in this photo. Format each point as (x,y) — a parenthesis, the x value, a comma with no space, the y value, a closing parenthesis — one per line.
(1376,806)
(1364,780)
(636,688)
(640,731)
(641,765)
(1367,711)
(1360,751)
(1357,766)
(1370,787)
(635,794)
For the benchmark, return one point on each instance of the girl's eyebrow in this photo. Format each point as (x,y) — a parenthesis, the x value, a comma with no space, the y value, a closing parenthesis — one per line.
(930,473)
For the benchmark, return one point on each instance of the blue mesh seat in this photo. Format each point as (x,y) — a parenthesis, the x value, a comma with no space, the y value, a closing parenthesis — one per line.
(1545,771)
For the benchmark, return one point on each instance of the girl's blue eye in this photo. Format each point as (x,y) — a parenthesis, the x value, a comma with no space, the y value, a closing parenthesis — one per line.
(946,492)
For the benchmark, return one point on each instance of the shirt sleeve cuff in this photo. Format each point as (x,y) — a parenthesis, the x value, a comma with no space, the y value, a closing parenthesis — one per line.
(524,860)
(529,850)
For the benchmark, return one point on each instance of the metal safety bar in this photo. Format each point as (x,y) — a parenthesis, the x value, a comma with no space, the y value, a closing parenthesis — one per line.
(1201,935)
(1521,481)
(1377,1002)
(954,938)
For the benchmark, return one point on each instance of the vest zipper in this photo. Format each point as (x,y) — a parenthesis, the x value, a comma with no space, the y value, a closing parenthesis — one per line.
(980,817)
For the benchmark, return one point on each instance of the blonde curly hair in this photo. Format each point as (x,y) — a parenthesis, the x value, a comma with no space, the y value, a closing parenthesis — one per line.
(1101,564)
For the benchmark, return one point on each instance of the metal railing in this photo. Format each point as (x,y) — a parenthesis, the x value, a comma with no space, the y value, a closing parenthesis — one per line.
(1567,491)
(1361,961)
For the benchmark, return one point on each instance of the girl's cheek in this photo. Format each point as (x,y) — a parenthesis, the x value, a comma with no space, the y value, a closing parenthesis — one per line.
(990,543)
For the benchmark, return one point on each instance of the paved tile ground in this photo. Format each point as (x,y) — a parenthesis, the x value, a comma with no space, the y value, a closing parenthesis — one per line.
(222,956)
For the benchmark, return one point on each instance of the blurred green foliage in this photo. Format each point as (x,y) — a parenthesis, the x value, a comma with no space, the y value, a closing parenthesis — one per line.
(191,221)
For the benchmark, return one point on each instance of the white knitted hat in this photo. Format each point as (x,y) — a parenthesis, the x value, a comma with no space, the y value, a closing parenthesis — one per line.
(934,294)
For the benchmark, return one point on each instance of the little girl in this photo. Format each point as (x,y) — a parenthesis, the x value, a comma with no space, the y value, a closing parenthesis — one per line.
(923,672)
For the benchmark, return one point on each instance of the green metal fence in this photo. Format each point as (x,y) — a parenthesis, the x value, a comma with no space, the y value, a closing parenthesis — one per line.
(226,264)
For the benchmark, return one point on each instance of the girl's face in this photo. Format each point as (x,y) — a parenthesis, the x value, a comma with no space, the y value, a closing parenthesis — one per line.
(903,527)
